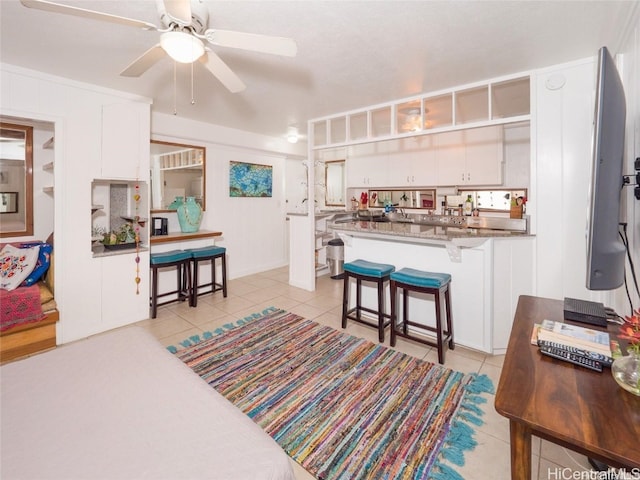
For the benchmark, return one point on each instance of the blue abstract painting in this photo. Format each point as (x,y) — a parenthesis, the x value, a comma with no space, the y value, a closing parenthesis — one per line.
(250,180)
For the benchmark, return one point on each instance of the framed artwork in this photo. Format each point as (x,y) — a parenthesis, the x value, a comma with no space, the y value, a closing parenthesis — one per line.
(250,180)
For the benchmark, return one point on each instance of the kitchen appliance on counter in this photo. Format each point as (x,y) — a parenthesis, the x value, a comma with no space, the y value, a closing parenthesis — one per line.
(159,226)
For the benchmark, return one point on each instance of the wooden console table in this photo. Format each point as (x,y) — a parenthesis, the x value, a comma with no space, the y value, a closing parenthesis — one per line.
(572,406)
(180,236)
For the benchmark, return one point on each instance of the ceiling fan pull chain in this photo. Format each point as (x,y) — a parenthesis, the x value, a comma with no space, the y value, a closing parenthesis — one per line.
(175,94)
(193,101)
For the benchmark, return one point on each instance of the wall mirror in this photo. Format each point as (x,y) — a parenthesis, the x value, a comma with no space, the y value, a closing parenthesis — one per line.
(9,202)
(489,200)
(177,170)
(425,198)
(16,180)
(334,183)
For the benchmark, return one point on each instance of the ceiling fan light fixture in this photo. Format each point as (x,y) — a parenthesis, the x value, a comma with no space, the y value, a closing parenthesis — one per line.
(182,47)
(292,135)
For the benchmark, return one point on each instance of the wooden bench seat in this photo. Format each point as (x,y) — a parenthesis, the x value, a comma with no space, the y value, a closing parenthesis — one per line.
(29,338)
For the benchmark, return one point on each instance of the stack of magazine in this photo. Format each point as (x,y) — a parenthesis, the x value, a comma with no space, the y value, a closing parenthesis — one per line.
(580,341)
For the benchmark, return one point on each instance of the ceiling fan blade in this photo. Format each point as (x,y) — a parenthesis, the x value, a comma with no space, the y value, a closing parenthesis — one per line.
(222,72)
(81,12)
(179,10)
(252,41)
(144,62)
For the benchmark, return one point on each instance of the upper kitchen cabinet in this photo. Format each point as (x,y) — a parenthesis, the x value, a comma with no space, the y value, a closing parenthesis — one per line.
(438,111)
(125,140)
(320,133)
(338,129)
(409,117)
(358,129)
(470,157)
(367,165)
(498,102)
(472,105)
(381,122)
(510,98)
(412,163)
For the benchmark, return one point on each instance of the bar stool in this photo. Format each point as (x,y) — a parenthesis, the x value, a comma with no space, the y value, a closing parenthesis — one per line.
(436,284)
(206,254)
(179,259)
(362,270)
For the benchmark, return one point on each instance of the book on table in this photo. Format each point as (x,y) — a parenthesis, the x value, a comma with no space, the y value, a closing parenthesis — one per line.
(576,336)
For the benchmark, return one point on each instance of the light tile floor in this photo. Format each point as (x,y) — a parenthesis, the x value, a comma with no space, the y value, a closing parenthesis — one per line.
(246,295)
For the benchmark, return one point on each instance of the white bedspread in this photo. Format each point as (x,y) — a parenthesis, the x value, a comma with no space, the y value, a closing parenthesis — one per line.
(120,406)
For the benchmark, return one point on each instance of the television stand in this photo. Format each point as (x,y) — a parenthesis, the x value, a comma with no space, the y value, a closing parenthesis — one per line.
(576,408)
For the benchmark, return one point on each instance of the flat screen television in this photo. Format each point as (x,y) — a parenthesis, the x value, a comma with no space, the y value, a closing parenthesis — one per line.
(605,250)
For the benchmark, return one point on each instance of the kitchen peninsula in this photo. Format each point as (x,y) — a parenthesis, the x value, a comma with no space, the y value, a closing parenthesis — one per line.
(480,261)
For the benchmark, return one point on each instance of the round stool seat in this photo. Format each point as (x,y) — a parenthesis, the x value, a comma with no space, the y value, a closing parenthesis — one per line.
(419,278)
(169,257)
(369,269)
(206,252)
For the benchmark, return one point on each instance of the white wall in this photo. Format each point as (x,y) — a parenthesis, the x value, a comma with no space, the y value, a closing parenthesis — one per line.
(562,116)
(254,229)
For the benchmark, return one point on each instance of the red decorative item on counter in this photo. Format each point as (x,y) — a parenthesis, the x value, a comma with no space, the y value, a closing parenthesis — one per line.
(364,200)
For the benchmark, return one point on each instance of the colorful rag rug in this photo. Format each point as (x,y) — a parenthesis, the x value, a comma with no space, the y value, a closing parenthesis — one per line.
(341,406)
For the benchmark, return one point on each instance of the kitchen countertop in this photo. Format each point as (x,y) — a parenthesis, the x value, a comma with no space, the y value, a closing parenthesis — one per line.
(420,233)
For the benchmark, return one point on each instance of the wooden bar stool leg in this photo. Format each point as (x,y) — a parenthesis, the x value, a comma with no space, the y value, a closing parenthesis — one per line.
(380,284)
(187,274)
(394,311)
(358,294)
(154,292)
(224,275)
(447,300)
(345,299)
(194,283)
(439,327)
(213,274)
(405,310)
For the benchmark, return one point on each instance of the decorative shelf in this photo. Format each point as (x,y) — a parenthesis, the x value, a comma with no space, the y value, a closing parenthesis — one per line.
(501,101)
(48,167)
(47,189)
(49,143)
(141,221)
(95,208)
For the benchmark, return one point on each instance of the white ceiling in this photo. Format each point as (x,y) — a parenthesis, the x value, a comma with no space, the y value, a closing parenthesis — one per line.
(350,54)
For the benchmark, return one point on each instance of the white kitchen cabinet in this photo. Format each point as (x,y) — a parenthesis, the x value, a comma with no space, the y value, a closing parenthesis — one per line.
(413,164)
(450,157)
(470,157)
(125,140)
(483,155)
(367,166)
(121,305)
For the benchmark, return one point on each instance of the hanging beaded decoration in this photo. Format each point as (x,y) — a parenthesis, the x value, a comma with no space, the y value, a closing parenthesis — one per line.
(136,197)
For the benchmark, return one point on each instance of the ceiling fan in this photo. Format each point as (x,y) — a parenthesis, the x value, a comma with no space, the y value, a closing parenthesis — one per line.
(183,34)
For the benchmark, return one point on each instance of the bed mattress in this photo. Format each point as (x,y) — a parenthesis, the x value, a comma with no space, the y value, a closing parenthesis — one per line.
(119,405)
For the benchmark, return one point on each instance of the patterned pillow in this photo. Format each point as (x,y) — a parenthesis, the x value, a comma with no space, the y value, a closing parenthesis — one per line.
(16,264)
(44,258)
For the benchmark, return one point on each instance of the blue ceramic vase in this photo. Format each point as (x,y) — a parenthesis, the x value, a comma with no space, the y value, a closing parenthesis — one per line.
(189,215)
(176,203)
